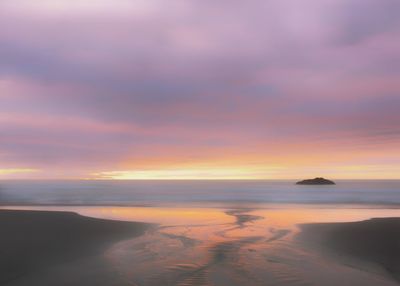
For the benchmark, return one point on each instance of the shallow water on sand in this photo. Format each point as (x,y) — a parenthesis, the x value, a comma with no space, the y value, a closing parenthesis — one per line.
(232,246)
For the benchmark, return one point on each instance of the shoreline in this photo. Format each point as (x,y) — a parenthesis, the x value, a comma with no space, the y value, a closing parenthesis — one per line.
(32,242)
(372,245)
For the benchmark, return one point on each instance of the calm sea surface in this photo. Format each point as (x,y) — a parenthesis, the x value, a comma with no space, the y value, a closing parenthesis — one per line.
(203,193)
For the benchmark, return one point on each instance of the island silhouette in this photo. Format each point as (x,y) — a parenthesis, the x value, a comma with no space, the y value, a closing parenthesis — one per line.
(316,181)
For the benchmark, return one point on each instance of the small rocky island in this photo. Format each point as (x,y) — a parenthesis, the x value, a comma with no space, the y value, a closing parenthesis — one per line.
(316,181)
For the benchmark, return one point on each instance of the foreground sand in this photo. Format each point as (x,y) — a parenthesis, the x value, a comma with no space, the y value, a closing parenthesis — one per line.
(58,248)
(199,246)
(375,241)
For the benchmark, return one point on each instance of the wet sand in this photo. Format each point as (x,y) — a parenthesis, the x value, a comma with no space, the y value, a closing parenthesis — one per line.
(58,248)
(194,246)
(376,241)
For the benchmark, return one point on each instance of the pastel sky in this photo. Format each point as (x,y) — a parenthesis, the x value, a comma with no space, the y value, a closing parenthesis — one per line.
(181,89)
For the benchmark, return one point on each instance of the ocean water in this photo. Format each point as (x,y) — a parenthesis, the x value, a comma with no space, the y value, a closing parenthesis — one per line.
(202,193)
(213,233)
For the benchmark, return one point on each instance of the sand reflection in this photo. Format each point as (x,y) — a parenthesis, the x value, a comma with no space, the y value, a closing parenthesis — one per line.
(234,247)
(230,246)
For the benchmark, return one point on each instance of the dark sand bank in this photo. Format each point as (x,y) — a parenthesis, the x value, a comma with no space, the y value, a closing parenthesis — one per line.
(34,243)
(375,241)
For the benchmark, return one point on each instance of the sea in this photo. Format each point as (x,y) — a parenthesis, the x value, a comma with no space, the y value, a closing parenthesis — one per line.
(201,193)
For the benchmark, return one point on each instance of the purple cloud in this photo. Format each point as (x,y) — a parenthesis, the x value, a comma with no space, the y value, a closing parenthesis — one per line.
(92,84)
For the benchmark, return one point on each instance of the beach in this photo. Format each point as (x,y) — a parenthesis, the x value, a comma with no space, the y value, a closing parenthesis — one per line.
(374,241)
(270,245)
(58,248)
(202,232)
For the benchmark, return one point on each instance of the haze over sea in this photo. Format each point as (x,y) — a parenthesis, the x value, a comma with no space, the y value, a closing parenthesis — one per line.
(201,193)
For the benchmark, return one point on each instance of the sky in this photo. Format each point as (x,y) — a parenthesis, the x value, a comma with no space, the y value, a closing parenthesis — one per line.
(201,89)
